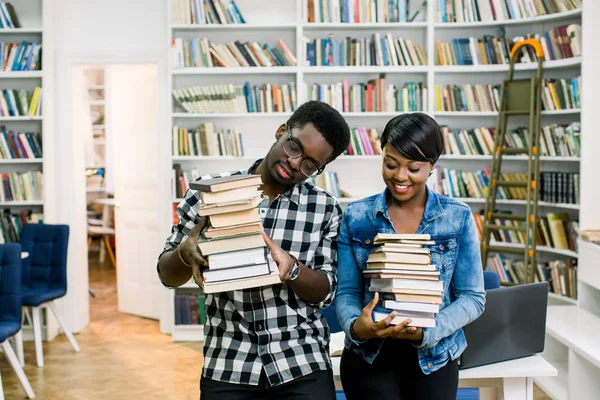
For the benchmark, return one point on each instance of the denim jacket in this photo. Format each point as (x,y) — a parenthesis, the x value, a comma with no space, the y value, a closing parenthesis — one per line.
(456,255)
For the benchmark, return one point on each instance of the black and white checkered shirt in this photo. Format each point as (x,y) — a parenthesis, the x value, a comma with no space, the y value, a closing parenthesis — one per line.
(270,327)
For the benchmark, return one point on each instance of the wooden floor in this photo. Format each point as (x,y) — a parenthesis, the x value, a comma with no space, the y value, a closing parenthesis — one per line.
(122,357)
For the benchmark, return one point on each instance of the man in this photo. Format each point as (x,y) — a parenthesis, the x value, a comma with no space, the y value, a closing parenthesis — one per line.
(269,342)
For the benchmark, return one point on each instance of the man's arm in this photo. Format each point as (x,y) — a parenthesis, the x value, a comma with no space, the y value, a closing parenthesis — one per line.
(172,270)
(181,257)
(314,285)
(310,285)
(175,267)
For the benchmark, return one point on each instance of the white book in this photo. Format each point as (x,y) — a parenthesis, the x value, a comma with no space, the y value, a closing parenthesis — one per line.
(241,272)
(391,237)
(422,322)
(395,283)
(399,248)
(411,306)
(237,258)
(266,280)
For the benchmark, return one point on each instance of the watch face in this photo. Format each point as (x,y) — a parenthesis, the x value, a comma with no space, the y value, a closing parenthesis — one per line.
(295,272)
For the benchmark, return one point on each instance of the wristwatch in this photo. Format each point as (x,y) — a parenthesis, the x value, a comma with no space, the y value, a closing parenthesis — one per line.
(295,269)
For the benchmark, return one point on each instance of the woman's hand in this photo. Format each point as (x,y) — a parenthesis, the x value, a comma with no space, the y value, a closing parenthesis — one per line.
(365,328)
(410,333)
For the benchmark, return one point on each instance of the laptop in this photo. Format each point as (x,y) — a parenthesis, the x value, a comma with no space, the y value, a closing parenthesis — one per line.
(513,325)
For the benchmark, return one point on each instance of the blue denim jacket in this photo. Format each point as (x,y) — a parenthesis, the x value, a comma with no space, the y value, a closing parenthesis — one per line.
(456,254)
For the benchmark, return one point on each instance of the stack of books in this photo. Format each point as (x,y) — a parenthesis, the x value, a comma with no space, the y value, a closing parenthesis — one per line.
(237,254)
(400,270)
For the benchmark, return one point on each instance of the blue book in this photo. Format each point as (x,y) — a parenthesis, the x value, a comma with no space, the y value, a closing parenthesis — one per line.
(310,54)
(386,59)
(334,184)
(237,13)
(346,11)
(465,52)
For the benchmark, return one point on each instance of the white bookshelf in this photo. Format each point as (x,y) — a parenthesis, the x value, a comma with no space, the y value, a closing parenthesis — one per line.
(22,161)
(31,17)
(97,151)
(36,26)
(572,344)
(521,21)
(269,21)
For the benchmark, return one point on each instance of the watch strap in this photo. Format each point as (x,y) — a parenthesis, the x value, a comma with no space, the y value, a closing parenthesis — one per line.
(295,268)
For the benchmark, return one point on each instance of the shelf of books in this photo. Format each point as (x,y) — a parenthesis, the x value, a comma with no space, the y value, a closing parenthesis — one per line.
(238,69)
(21,82)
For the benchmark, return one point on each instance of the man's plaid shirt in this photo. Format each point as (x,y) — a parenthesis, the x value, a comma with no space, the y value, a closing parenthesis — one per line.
(270,327)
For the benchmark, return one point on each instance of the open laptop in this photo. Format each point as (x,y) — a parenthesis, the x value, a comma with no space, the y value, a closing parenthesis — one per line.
(513,325)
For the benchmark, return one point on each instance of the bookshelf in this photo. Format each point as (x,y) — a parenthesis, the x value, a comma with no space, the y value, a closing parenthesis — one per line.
(35,21)
(30,16)
(96,154)
(266,22)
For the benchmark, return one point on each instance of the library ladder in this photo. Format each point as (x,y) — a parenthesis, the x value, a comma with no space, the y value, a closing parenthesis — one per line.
(518,97)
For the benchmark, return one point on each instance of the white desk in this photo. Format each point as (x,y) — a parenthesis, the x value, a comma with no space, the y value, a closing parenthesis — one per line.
(107,203)
(509,380)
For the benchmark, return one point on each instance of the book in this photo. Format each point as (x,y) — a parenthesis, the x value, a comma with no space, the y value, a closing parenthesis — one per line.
(230,206)
(272,278)
(223,196)
(400,248)
(236,218)
(590,235)
(223,245)
(412,297)
(394,237)
(213,232)
(238,272)
(225,183)
(424,320)
(406,242)
(398,266)
(408,258)
(410,306)
(389,285)
(423,292)
(392,273)
(237,258)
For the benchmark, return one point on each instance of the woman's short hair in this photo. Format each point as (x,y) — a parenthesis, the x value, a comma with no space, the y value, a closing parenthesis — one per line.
(415,136)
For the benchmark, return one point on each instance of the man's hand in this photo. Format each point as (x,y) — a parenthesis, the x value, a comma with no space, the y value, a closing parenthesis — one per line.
(284,261)
(366,328)
(190,252)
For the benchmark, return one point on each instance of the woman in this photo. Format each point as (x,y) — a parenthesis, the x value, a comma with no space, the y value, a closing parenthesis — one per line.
(384,361)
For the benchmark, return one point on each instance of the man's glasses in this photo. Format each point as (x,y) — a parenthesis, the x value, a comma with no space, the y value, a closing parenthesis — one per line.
(293,149)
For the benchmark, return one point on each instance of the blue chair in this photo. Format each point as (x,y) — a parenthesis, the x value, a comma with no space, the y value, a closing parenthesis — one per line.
(10,307)
(331,318)
(45,276)
(490,280)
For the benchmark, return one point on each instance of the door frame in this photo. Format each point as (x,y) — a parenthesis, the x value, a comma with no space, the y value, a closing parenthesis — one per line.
(70,192)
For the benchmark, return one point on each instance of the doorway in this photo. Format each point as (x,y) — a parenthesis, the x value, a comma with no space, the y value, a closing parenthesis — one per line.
(115,113)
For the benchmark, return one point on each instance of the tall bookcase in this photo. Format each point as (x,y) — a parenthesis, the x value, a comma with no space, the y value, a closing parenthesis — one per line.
(35,21)
(267,22)
(31,18)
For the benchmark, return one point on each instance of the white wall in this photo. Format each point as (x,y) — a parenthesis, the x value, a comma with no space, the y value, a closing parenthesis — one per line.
(93,32)
(589,216)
